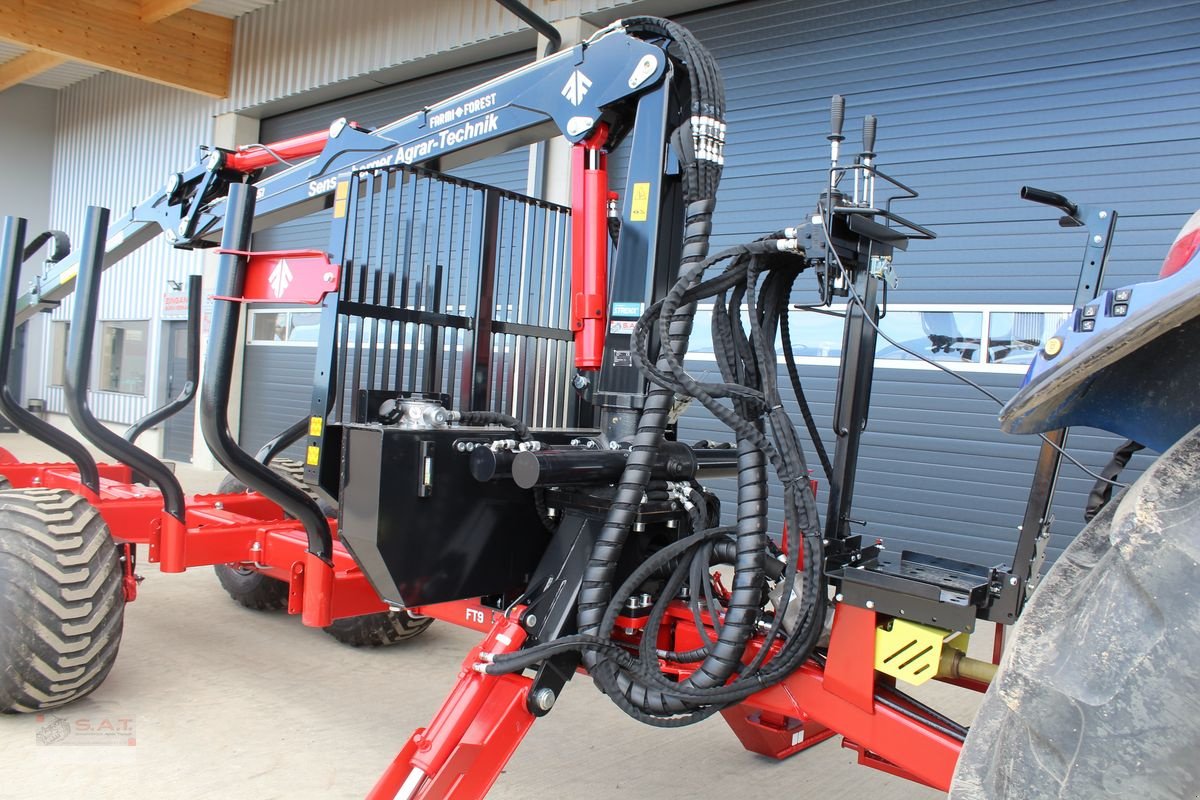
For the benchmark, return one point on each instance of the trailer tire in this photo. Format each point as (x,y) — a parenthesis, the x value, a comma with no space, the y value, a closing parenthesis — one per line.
(62,602)
(1097,694)
(251,589)
(247,586)
(378,630)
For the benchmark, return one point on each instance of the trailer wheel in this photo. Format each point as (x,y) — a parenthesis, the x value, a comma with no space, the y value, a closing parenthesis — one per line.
(1098,694)
(379,629)
(247,586)
(62,606)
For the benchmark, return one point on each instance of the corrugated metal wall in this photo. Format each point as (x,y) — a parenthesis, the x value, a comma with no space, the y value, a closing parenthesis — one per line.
(1091,98)
(287,48)
(118,138)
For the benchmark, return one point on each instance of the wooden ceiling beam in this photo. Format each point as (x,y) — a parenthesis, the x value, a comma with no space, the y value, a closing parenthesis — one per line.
(157,10)
(25,66)
(188,50)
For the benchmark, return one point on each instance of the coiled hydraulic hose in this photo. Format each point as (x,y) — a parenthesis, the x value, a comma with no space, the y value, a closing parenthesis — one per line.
(764,436)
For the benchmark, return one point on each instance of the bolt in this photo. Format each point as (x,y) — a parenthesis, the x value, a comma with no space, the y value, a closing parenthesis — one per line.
(639,527)
(218,505)
(839,597)
(1103,215)
(614,445)
(327,277)
(460,447)
(1097,238)
(543,699)
(256,547)
(171,237)
(672,523)
(530,620)
(576,442)
(1012,581)
(870,604)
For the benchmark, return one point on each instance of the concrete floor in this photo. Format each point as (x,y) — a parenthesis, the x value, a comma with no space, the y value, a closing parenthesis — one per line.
(208,699)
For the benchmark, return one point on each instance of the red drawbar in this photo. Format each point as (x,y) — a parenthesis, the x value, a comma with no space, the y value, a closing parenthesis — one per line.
(589,248)
(475,732)
(287,276)
(249,159)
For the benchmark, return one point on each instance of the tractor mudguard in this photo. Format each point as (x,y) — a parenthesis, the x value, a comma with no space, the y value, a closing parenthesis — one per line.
(1125,362)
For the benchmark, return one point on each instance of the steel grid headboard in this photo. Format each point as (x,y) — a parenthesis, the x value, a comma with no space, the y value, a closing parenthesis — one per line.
(455,288)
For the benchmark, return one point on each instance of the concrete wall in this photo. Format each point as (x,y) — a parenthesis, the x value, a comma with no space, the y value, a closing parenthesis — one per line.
(27,119)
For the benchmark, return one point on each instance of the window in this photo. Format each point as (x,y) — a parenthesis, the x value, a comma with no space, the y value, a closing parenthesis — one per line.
(123,357)
(60,334)
(939,335)
(952,335)
(1014,336)
(300,327)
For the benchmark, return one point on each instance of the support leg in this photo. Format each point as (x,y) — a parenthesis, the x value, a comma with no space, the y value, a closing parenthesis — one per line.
(462,752)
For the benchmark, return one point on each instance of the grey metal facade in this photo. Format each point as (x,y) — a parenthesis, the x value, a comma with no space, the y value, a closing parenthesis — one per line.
(1094,99)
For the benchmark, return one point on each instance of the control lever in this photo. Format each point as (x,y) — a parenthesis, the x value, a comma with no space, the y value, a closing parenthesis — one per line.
(868,156)
(1072,218)
(837,114)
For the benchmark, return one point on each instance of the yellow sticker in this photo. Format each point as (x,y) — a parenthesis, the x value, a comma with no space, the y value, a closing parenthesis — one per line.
(339,209)
(314,455)
(314,426)
(640,207)
(342,191)
(69,275)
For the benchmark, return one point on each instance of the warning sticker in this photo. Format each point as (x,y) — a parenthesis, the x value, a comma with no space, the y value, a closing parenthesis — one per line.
(640,206)
(622,358)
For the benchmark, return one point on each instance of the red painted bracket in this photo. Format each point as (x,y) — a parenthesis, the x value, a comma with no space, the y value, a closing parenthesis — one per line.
(286,276)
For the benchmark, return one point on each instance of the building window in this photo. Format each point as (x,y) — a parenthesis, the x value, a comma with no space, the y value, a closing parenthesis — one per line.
(1015,336)
(297,327)
(938,335)
(123,357)
(954,336)
(60,334)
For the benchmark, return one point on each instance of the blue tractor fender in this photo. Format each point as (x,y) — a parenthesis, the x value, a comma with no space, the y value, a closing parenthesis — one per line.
(1127,362)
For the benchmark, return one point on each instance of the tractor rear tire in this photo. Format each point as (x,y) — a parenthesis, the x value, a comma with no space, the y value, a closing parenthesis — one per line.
(1098,695)
(62,602)
(378,630)
(247,586)
(250,588)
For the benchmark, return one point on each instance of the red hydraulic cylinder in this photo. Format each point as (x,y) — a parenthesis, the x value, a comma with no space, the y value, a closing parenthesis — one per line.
(589,248)
(252,157)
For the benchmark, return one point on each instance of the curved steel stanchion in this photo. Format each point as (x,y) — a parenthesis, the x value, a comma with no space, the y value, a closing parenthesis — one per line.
(214,405)
(79,364)
(193,368)
(282,441)
(14,253)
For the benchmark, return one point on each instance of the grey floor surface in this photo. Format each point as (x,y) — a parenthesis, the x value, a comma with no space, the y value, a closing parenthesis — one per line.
(210,700)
